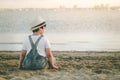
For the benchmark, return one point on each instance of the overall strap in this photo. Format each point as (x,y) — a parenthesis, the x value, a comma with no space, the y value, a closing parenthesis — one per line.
(36,43)
(31,41)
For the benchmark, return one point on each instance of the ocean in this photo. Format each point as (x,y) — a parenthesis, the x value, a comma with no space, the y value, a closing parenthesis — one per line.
(67,30)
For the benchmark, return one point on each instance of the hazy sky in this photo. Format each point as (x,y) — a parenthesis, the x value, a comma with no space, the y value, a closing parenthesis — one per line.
(54,3)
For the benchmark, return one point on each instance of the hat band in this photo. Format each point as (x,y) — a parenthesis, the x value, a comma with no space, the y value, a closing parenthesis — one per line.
(39,25)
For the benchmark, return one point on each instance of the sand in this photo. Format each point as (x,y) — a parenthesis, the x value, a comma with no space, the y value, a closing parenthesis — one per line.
(74,65)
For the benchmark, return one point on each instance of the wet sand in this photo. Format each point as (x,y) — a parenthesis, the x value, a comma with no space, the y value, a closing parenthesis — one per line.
(74,65)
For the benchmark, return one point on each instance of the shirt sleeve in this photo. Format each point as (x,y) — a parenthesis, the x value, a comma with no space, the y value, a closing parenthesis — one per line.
(24,46)
(47,44)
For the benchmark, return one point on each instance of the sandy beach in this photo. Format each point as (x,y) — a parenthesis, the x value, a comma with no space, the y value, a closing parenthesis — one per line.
(73,65)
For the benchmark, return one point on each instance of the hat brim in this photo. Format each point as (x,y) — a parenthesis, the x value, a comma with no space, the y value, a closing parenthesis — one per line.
(38,26)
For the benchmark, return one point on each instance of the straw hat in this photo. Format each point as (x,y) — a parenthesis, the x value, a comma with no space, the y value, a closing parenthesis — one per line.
(37,23)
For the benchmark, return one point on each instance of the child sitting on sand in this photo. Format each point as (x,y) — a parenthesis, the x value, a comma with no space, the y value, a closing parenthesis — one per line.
(41,44)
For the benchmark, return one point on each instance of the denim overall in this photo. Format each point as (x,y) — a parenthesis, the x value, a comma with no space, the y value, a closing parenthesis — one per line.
(33,60)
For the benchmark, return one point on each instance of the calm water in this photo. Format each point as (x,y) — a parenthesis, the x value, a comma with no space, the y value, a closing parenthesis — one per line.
(80,30)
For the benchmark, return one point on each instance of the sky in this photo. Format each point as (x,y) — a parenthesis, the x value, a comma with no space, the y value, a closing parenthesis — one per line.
(54,3)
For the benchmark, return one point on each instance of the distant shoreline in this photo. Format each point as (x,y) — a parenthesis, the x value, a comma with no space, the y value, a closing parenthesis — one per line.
(27,9)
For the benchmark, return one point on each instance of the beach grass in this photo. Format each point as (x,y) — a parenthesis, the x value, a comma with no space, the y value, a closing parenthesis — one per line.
(74,65)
